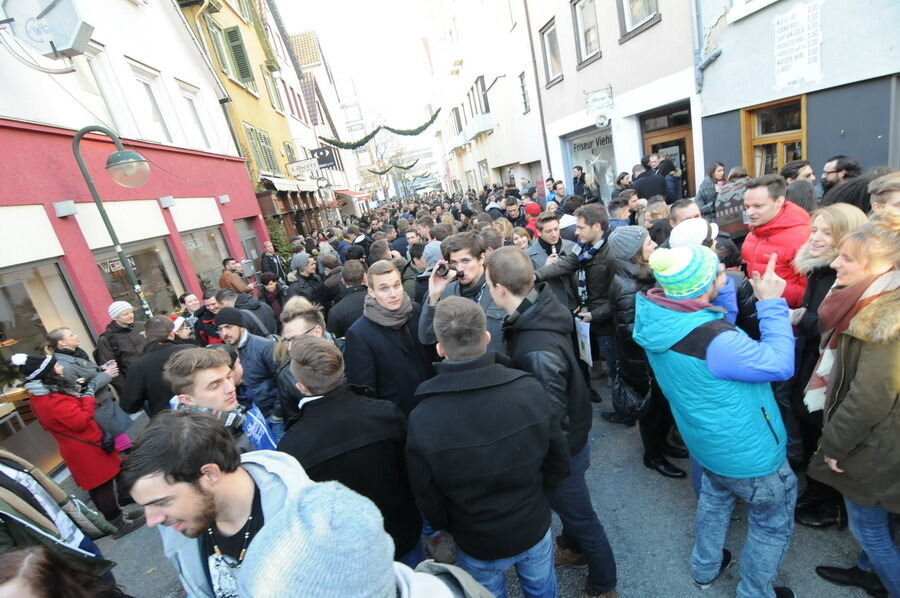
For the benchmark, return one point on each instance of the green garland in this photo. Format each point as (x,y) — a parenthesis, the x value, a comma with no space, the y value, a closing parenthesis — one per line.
(392,166)
(352,145)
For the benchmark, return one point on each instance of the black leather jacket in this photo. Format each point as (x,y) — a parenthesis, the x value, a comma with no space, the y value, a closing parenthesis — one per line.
(629,280)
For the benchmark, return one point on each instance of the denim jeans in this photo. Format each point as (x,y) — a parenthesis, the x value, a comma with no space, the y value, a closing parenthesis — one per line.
(534,567)
(581,529)
(415,556)
(276,425)
(607,346)
(770,512)
(873,528)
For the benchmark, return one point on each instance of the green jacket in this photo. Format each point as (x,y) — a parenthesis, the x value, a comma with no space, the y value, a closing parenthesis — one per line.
(862,409)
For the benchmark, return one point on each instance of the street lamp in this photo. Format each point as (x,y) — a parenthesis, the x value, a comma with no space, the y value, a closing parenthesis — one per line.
(127,168)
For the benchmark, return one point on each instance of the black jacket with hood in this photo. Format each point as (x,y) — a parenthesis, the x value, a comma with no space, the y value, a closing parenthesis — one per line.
(125,345)
(538,340)
(145,383)
(205,330)
(263,312)
(347,308)
(631,361)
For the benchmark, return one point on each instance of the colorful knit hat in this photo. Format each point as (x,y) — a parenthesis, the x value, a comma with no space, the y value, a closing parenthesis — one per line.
(684,272)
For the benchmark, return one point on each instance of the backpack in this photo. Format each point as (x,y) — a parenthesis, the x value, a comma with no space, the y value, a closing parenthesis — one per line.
(259,323)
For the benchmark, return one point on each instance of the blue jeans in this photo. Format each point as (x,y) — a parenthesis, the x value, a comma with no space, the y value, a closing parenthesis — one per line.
(276,425)
(607,346)
(873,528)
(581,529)
(534,567)
(415,556)
(770,512)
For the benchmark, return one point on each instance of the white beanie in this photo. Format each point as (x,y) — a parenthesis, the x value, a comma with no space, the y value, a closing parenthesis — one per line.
(329,543)
(117,308)
(692,232)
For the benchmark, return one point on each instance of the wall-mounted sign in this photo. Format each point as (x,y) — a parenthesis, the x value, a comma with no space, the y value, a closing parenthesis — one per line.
(54,28)
(325,157)
(301,168)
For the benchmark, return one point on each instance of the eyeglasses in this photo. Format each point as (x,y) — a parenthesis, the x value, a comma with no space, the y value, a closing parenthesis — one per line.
(288,341)
(829,171)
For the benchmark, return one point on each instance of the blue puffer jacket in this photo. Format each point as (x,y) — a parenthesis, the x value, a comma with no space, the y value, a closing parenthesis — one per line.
(723,404)
(260,372)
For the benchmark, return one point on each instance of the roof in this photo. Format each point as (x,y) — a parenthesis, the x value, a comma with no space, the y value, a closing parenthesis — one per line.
(306,48)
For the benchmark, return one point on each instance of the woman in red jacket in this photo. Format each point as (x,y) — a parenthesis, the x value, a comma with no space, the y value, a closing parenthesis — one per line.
(67,415)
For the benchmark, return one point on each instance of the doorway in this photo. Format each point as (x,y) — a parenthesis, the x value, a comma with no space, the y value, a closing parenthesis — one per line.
(668,133)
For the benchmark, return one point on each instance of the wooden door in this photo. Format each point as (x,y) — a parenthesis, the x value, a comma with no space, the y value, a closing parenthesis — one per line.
(676,142)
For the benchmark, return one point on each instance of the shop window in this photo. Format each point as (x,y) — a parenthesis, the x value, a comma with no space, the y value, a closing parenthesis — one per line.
(249,241)
(636,16)
(155,269)
(773,134)
(550,45)
(587,36)
(33,301)
(206,249)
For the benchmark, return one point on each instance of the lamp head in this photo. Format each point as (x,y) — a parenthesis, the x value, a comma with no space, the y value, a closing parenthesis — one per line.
(128,168)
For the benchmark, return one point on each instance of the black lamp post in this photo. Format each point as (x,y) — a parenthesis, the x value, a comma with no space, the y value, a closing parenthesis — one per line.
(127,168)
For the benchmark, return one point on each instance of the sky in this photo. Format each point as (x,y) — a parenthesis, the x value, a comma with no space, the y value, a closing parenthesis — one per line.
(376,45)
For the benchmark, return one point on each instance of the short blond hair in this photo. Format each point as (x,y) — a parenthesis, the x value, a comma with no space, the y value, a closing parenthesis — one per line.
(883,185)
(182,365)
(380,268)
(317,364)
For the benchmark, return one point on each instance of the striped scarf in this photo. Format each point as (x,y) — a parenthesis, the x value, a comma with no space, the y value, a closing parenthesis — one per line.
(585,255)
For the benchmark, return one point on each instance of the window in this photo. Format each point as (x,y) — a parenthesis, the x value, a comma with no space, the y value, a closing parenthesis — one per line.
(289,153)
(774,134)
(231,53)
(482,94)
(154,267)
(587,37)
(272,88)
(101,88)
(457,122)
(635,16)
(550,45)
(261,147)
(192,124)
(290,99)
(147,107)
(206,249)
(217,35)
(363,157)
(526,103)
(243,8)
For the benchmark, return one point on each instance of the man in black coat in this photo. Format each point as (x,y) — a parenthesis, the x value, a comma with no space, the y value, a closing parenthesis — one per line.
(647,183)
(348,304)
(483,450)
(308,283)
(356,440)
(537,334)
(259,318)
(145,388)
(272,262)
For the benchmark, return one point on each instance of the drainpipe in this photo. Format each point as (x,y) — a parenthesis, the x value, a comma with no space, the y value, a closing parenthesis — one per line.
(537,85)
(701,63)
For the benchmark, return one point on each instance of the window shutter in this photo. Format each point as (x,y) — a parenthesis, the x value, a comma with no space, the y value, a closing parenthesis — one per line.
(215,34)
(239,54)
(289,151)
(269,154)
(258,156)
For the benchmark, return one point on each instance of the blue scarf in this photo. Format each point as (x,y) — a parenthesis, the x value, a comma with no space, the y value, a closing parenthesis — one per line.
(585,255)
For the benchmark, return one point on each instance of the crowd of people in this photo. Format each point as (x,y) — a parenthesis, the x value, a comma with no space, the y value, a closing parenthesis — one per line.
(439,358)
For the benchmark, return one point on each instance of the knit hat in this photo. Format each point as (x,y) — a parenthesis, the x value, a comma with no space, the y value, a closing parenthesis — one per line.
(692,232)
(230,315)
(32,366)
(179,322)
(117,308)
(684,272)
(533,209)
(330,543)
(300,260)
(626,241)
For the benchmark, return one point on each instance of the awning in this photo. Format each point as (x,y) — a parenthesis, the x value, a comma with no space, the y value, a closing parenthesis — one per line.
(357,195)
(281,184)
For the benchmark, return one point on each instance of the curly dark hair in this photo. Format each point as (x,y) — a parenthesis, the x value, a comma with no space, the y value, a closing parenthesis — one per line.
(48,575)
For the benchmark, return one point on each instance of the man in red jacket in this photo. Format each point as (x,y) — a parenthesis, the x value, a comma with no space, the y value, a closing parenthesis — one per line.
(776,226)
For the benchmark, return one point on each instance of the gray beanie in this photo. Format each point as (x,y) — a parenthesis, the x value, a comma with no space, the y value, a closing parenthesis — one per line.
(626,241)
(329,543)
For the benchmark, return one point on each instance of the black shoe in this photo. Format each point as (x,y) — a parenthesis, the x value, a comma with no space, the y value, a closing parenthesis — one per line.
(821,514)
(675,452)
(595,397)
(726,562)
(663,467)
(614,418)
(784,592)
(855,577)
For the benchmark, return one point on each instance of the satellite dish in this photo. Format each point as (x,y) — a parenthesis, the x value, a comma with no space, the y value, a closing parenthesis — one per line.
(602,121)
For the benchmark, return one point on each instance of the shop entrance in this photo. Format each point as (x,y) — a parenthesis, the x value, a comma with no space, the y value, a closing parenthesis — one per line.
(668,133)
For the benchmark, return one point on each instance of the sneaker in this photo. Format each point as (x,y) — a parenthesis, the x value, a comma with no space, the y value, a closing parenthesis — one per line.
(563,557)
(726,562)
(613,417)
(590,593)
(440,549)
(127,523)
(784,592)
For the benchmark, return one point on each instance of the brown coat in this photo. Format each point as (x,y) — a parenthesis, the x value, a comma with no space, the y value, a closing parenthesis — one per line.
(862,410)
(232,280)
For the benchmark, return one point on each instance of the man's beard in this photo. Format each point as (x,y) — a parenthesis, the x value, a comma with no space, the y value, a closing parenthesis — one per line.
(206,518)
(827,185)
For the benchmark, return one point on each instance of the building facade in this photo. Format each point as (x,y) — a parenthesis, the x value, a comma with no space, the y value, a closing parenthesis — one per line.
(616,81)
(801,79)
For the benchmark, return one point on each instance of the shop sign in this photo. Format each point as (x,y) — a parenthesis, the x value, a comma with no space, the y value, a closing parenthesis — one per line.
(114,265)
(301,168)
(324,156)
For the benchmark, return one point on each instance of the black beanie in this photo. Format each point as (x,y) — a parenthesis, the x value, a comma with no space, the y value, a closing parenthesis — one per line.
(33,366)
(230,315)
